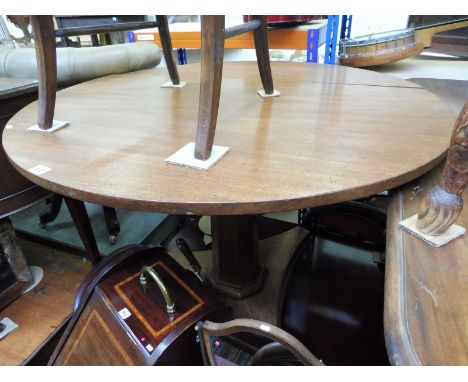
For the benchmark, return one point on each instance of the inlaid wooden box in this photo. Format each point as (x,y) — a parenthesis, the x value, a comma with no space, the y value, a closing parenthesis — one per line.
(125,324)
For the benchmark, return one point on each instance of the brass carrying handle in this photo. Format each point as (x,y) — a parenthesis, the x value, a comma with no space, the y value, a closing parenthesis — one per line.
(170,306)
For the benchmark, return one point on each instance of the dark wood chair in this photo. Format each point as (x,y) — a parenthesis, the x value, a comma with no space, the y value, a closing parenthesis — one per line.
(213,34)
(44,37)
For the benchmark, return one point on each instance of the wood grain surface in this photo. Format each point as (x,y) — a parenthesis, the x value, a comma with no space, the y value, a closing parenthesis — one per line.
(335,134)
(42,311)
(364,60)
(426,308)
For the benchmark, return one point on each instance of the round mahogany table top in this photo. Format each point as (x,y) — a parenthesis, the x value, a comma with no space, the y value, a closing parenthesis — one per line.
(335,134)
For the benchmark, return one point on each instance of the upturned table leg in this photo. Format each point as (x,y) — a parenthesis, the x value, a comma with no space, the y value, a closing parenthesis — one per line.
(236,270)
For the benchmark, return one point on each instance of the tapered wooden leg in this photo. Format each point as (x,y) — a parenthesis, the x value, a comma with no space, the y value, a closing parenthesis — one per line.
(83,225)
(165,37)
(44,40)
(263,55)
(212,53)
(236,271)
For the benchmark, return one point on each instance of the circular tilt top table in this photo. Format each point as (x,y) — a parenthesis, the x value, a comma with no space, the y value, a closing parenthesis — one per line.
(334,134)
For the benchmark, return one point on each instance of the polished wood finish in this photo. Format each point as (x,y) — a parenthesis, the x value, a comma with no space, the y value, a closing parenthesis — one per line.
(98,329)
(263,54)
(163,29)
(344,123)
(41,312)
(212,55)
(46,56)
(444,202)
(148,336)
(366,60)
(425,287)
(83,225)
(236,270)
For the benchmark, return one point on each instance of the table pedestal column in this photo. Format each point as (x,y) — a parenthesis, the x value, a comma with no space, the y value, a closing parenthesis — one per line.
(236,271)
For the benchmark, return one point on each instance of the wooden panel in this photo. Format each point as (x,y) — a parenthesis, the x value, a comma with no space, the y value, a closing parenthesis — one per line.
(146,335)
(41,312)
(426,308)
(98,340)
(149,318)
(335,134)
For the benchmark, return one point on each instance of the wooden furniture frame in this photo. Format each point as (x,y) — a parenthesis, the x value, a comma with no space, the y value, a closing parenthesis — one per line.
(44,37)
(425,287)
(213,35)
(270,165)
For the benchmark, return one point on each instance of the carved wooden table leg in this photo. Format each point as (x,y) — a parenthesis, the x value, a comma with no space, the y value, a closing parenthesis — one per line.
(44,41)
(83,225)
(236,271)
(444,202)
(212,36)
(166,44)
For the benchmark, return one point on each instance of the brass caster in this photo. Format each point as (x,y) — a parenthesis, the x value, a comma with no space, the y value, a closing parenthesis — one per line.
(112,239)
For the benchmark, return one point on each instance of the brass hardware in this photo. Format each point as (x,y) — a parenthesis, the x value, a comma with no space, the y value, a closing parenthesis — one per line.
(170,306)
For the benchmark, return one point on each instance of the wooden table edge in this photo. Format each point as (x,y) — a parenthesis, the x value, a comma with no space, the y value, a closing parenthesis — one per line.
(231,208)
(400,348)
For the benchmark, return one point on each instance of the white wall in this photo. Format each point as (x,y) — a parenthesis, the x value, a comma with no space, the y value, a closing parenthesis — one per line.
(368,24)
